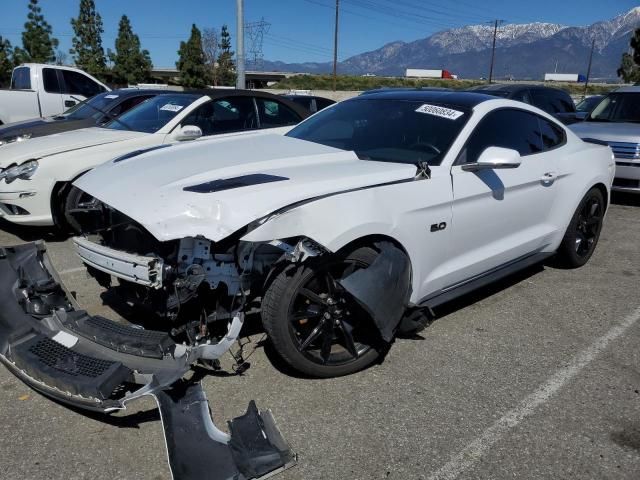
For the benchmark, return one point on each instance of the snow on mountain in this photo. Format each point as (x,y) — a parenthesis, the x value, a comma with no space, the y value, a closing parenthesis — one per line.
(523,50)
(479,37)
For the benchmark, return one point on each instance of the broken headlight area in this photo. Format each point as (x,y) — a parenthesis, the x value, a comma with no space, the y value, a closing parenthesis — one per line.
(191,287)
(94,363)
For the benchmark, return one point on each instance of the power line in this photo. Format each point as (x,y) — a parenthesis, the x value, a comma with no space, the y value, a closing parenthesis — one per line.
(335,47)
(493,48)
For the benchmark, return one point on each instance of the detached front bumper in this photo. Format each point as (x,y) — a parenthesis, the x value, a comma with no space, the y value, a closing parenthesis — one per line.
(97,364)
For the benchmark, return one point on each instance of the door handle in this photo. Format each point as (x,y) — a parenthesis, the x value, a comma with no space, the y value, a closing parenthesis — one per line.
(549,177)
(69,103)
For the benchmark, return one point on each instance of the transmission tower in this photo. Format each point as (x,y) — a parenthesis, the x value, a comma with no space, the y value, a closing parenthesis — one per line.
(255,32)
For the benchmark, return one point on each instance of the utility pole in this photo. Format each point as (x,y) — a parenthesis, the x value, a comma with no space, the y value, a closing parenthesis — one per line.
(335,48)
(586,83)
(493,49)
(240,77)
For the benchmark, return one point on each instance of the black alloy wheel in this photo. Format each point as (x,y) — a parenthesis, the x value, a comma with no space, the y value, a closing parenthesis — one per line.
(589,225)
(314,324)
(582,235)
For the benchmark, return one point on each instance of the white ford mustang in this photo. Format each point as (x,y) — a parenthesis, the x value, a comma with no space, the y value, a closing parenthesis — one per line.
(36,176)
(345,228)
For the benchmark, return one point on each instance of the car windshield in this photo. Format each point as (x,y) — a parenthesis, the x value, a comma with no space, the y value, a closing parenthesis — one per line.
(387,130)
(152,115)
(617,107)
(92,108)
(588,103)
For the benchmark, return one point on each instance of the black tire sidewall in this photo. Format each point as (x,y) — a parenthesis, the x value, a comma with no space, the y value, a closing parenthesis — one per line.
(567,254)
(275,315)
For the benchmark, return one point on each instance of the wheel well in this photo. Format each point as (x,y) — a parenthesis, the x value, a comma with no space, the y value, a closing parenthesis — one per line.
(60,190)
(370,240)
(605,195)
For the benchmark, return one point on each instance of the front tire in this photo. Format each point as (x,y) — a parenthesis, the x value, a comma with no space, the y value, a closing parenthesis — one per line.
(74,199)
(314,325)
(582,235)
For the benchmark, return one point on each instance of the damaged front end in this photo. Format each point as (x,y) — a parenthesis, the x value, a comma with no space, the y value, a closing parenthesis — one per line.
(97,364)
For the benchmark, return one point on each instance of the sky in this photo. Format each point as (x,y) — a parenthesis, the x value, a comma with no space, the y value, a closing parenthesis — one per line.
(302,30)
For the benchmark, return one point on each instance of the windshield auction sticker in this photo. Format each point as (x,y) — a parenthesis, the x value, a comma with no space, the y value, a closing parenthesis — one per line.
(171,108)
(439,111)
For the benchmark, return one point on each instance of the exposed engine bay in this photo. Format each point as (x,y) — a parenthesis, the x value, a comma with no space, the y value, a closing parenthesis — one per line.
(192,285)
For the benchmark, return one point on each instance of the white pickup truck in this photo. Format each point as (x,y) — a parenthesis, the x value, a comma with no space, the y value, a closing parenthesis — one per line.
(39,90)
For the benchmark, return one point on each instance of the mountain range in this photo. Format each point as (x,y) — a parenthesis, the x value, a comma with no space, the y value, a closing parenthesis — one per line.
(523,51)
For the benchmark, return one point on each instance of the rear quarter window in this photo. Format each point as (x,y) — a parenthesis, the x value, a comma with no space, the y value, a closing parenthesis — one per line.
(21,79)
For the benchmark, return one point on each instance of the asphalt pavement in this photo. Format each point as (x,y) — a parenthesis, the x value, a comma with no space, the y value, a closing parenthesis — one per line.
(536,377)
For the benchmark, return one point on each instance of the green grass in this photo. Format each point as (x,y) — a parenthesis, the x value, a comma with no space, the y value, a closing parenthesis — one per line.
(357,83)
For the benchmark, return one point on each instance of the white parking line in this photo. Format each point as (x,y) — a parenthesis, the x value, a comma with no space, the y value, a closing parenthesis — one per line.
(472,453)
(72,270)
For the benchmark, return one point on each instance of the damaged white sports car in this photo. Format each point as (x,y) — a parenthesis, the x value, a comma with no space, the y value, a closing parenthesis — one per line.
(341,233)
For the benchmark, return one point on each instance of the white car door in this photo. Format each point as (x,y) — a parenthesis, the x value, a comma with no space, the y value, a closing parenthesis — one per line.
(78,87)
(502,215)
(50,93)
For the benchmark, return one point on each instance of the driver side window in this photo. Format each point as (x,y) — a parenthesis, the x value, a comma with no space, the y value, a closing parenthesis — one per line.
(231,114)
(507,128)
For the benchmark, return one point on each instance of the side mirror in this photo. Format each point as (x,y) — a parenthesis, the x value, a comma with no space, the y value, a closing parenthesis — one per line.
(188,132)
(494,158)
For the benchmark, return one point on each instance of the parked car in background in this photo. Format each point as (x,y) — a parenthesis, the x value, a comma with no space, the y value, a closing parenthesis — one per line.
(554,101)
(616,122)
(36,176)
(39,90)
(95,111)
(584,107)
(311,102)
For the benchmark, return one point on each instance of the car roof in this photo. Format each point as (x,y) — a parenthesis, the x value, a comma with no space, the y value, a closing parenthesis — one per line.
(134,92)
(404,89)
(630,89)
(295,95)
(509,87)
(461,99)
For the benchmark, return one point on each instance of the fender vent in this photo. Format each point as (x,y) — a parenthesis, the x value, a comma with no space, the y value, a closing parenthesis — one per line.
(235,182)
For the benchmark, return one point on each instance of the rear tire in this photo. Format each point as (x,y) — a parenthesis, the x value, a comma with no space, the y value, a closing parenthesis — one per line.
(314,326)
(583,232)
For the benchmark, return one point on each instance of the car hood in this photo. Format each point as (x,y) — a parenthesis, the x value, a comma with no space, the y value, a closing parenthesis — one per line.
(43,126)
(608,132)
(150,188)
(37,148)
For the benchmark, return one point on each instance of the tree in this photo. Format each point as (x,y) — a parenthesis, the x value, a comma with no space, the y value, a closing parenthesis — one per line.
(131,65)
(226,66)
(61,57)
(6,62)
(87,50)
(629,69)
(191,61)
(38,44)
(210,44)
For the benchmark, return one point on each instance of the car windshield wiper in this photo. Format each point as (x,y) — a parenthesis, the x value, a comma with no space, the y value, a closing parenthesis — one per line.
(106,114)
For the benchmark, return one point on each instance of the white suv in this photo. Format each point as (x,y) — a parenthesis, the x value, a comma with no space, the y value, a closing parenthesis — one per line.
(614,121)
